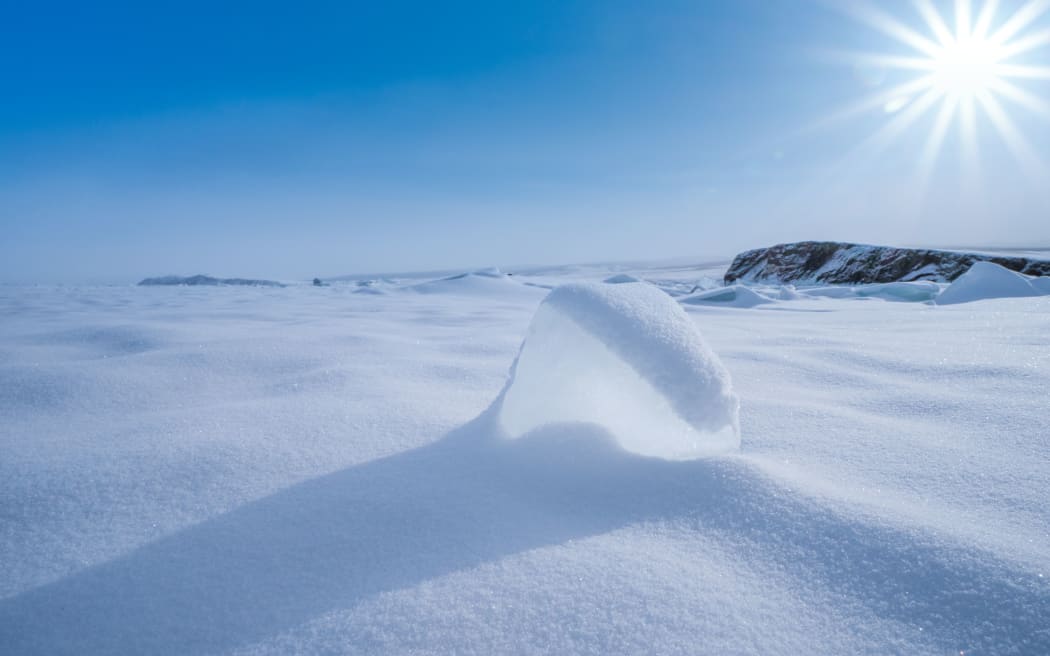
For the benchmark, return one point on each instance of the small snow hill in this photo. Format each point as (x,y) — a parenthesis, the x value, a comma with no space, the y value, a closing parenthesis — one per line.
(987,280)
(628,358)
(486,282)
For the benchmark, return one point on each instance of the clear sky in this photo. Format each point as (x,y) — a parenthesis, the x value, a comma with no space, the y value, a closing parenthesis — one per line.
(288,140)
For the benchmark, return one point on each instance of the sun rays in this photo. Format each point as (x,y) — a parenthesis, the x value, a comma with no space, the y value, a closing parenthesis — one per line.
(967,67)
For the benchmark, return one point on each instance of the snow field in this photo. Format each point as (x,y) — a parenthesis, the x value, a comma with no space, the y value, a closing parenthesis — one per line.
(313,470)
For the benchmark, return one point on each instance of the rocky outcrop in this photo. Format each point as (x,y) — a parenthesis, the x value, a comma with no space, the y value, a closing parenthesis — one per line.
(207,280)
(838,263)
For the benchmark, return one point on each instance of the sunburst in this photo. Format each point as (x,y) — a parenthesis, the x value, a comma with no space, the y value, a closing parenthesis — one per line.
(967,67)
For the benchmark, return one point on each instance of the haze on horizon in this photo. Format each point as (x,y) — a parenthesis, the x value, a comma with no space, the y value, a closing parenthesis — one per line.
(265,140)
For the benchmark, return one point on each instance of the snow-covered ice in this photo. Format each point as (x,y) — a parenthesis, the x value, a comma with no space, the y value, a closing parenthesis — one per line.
(733,295)
(235,470)
(627,358)
(913,291)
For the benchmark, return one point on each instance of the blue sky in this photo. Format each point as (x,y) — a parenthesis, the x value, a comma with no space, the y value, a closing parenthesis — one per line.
(289,140)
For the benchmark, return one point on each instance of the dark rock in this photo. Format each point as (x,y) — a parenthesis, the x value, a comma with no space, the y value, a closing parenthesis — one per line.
(838,263)
(208,281)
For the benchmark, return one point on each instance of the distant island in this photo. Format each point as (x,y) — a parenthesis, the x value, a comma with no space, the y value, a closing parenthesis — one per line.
(839,263)
(207,280)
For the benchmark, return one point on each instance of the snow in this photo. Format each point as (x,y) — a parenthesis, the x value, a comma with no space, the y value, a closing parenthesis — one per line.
(620,279)
(241,470)
(788,293)
(987,280)
(626,358)
(484,282)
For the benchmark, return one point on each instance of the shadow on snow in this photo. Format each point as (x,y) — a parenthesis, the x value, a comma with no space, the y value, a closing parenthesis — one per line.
(472,498)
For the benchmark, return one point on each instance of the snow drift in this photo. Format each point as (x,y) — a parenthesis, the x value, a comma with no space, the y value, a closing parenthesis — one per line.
(486,282)
(620,279)
(627,358)
(988,280)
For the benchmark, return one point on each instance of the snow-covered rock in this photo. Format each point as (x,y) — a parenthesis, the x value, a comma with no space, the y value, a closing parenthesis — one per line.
(988,280)
(825,262)
(627,358)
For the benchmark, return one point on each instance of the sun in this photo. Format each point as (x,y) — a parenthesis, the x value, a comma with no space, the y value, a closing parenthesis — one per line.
(968,65)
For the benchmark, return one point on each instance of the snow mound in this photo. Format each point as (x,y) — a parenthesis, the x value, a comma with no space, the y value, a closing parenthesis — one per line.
(484,282)
(789,293)
(489,272)
(627,358)
(620,279)
(733,296)
(988,280)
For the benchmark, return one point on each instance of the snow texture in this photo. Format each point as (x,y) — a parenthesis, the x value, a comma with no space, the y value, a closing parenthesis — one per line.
(627,358)
(309,470)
